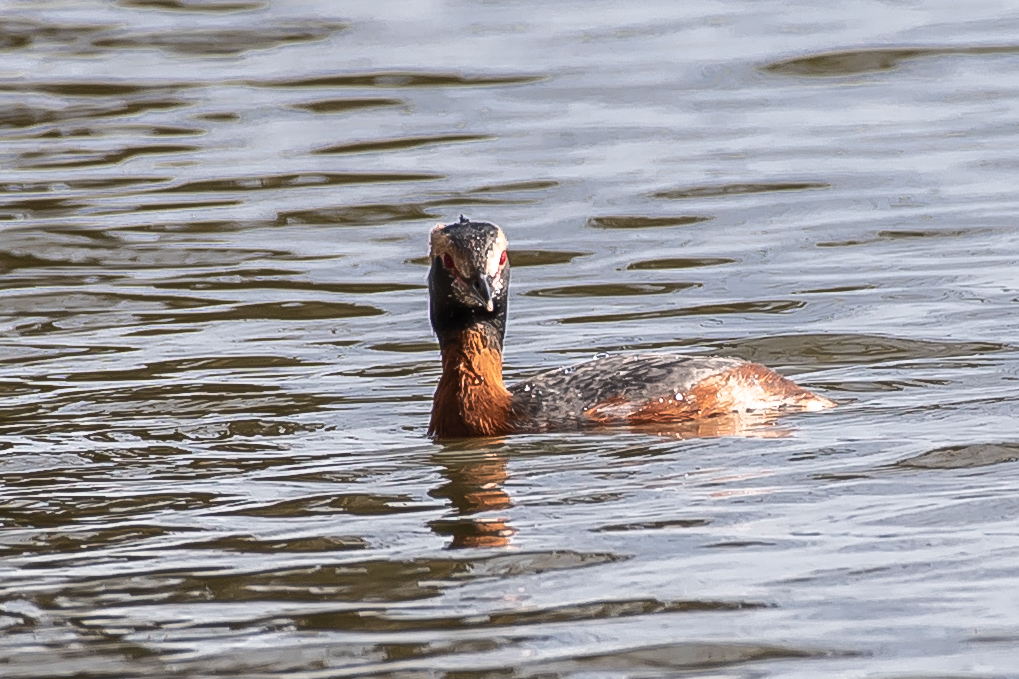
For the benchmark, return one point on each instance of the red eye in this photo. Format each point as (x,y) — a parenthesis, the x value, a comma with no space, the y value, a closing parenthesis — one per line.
(448,262)
(502,258)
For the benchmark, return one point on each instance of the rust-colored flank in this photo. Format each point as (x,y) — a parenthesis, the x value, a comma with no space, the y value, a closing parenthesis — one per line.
(747,388)
(468,291)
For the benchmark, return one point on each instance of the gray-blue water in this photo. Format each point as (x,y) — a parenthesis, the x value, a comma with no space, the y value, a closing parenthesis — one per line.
(216,365)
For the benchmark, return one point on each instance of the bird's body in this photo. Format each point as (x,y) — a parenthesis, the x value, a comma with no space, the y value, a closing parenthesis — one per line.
(468,287)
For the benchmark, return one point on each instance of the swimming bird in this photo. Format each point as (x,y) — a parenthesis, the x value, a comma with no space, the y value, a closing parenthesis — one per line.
(468,286)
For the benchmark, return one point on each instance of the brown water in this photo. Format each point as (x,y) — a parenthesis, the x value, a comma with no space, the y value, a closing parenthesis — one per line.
(216,364)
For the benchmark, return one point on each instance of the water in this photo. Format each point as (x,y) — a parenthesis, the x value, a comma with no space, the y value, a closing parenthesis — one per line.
(216,365)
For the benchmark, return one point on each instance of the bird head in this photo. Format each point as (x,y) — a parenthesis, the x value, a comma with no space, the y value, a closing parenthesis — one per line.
(468,282)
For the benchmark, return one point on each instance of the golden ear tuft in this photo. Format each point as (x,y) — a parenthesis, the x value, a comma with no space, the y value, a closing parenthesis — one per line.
(437,238)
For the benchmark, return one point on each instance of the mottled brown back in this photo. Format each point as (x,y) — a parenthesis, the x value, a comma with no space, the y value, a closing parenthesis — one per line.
(560,398)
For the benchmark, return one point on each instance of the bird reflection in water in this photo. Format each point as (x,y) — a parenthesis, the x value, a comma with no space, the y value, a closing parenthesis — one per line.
(474,485)
(763,425)
(475,479)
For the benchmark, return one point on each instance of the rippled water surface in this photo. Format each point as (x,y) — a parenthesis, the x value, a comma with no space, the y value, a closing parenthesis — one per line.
(216,365)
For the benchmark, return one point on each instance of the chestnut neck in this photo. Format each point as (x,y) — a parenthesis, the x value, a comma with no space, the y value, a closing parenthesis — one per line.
(471,399)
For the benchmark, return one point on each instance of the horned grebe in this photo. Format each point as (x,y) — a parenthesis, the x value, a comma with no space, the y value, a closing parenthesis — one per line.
(468,287)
